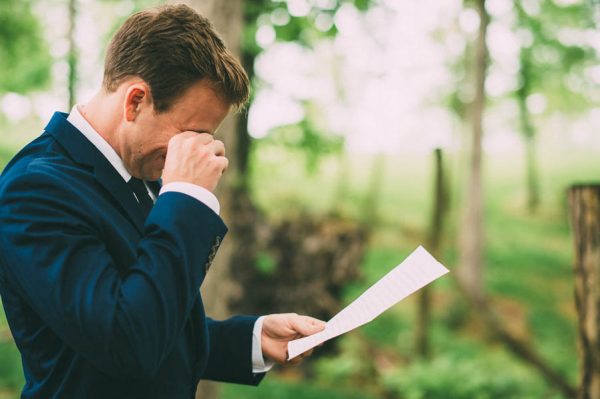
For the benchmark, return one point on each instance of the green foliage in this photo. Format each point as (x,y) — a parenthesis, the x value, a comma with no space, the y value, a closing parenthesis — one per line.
(310,140)
(265,263)
(273,388)
(362,5)
(11,375)
(351,366)
(300,29)
(304,30)
(465,375)
(294,29)
(25,61)
(5,156)
(546,62)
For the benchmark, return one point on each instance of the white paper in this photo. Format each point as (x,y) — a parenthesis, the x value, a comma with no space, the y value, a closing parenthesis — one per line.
(417,270)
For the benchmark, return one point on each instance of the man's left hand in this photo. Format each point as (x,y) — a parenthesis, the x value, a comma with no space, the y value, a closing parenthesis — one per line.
(279,329)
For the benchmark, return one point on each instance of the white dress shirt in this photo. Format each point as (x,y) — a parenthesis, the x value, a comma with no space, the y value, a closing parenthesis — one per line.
(259,365)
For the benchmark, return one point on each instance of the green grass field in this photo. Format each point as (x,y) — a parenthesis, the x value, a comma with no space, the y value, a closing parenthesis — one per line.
(528,261)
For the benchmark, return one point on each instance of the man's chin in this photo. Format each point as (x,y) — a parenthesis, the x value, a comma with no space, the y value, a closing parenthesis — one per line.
(153,174)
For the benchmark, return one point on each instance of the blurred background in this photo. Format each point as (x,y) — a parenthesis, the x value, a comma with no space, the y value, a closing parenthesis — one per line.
(374,126)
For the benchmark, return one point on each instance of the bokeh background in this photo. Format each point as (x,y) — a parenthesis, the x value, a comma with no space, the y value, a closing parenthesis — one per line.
(374,126)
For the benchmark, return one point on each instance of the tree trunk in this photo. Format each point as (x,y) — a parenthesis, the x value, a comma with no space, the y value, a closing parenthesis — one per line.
(528,132)
(434,241)
(72,54)
(341,189)
(472,238)
(533,185)
(585,220)
(244,141)
(218,288)
(370,211)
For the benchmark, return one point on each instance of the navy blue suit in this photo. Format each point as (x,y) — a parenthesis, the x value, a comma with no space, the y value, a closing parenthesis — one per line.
(102,301)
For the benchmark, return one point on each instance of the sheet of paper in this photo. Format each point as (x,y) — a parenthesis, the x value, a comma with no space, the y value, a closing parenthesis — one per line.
(415,272)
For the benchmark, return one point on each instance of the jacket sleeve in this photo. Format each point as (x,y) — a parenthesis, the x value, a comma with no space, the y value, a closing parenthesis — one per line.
(125,322)
(230,358)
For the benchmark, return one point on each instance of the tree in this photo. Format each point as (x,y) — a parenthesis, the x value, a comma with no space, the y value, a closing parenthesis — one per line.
(24,58)
(472,234)
(545,65)
(527,128)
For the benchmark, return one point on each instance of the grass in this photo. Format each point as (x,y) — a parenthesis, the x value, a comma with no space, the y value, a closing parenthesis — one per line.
(273,388)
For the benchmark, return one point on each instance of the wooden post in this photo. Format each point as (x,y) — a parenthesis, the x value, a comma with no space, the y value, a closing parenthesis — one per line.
(584,201)
(370,212)
(434,245)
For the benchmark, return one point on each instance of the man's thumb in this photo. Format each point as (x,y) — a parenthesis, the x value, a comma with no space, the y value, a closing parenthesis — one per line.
(309,325)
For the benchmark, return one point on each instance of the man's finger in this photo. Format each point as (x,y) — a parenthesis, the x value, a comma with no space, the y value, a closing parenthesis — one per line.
(224,164)
(307,353)
(300,357)
(295,360)
(204,138)
(306,325)
(218,148)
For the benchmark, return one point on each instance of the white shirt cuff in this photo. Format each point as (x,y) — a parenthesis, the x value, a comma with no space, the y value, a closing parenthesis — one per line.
(259,364)
(195,191)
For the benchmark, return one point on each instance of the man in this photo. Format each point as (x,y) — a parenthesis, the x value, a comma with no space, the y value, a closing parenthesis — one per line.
(100,265)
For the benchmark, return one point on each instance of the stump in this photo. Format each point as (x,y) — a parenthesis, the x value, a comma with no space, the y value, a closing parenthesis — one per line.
(584,201)
(309,262)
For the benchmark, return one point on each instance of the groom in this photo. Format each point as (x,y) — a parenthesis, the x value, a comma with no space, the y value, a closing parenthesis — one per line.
(100,264)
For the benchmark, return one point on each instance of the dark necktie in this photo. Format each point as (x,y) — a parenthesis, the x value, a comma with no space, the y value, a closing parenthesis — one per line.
(141,193)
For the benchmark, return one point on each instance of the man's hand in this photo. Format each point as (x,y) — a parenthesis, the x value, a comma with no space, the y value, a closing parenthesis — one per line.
(195,158)
(279,329)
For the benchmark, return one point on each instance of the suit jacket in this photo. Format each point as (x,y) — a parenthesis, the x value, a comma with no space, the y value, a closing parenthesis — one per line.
(103,302)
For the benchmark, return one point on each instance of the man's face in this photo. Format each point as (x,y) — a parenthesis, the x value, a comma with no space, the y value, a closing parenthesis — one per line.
(144,143)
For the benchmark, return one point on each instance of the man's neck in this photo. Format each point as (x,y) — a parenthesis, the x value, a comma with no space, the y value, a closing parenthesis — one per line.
(102,113)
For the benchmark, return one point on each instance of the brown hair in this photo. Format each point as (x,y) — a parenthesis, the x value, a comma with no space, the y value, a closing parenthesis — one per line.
(170,48)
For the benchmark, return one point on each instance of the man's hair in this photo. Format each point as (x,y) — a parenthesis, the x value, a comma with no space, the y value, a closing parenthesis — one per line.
(172,47)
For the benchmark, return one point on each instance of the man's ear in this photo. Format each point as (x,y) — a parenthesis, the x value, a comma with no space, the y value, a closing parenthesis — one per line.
(136,96)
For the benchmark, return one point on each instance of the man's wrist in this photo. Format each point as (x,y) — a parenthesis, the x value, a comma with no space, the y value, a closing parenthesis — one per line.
(259,363)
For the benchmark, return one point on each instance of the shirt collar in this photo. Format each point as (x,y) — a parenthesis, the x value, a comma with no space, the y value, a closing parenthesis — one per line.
(81,124)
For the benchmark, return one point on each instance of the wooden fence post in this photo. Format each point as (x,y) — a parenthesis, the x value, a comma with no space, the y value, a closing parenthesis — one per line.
(434,245)
(584,201)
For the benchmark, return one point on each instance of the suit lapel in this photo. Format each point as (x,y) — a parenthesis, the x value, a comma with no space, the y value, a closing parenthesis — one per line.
(82,151)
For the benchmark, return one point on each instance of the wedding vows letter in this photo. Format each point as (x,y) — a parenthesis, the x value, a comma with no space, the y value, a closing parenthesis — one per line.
(417,270)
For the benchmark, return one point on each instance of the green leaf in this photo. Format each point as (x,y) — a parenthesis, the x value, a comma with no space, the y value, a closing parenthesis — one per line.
(25,61)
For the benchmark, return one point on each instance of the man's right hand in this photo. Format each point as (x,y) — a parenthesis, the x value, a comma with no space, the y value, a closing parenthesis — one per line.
(195,158)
